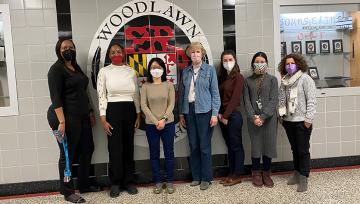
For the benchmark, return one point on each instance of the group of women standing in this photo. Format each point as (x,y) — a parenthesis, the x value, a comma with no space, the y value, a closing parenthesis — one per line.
(204,99)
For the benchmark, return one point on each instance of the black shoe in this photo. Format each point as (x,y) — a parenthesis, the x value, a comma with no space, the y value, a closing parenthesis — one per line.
(74,198)
(90,189)
(132,190)
(114,191)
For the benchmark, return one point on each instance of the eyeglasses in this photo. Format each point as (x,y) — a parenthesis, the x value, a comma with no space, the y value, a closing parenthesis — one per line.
(155,67)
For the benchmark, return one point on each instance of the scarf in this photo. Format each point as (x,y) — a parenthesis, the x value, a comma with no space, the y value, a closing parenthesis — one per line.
(288,100)
(258,83)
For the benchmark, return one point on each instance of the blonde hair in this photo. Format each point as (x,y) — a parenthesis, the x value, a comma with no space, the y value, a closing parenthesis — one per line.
(194,46)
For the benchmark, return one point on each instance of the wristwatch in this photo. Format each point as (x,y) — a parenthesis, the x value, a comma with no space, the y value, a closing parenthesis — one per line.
(165,118)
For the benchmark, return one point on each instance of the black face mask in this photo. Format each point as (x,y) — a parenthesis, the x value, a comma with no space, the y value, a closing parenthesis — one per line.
(69,55)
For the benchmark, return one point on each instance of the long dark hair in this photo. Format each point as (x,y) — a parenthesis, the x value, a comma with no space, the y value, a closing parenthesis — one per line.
(223,72)
(162,65)
(258,54)
(60,58)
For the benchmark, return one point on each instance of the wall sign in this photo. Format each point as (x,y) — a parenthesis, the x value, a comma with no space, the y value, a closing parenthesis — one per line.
(315,21)
(148,29)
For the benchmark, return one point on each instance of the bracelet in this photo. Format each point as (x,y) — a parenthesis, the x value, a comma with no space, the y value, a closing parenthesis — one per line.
(62,122)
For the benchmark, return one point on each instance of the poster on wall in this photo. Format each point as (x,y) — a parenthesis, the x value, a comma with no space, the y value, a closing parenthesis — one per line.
(310,47)
(296,47)
(337,46)
(283,48)
(313,72)
(324,46)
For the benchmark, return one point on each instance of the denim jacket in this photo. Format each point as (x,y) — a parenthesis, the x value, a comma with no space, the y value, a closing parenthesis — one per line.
(207,95)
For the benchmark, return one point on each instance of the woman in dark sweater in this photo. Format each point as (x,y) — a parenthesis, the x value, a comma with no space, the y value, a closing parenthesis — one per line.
(231,88)
(261,99)
(70,114)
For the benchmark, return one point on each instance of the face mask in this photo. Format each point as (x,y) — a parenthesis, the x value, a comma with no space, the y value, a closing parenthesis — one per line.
(116,59)
(260,68)
(291,68)
(157,73)
(69,54)
(229,65)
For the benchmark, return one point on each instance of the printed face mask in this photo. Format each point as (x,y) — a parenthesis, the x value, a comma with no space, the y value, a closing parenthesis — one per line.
(117,59)
(229,65)
(291,68)
(157,73)
(260,68)
(69,54)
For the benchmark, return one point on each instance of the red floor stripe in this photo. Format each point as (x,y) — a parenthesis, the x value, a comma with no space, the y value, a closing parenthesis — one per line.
(185,181)
(29,195)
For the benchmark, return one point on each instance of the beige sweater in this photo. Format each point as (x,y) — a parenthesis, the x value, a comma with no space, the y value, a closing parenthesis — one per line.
(157,100)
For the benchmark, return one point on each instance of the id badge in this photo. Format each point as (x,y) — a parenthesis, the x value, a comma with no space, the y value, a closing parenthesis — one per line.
(258,102)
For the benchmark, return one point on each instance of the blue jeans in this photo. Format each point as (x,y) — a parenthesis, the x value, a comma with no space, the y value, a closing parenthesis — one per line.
(199,134)
(232,133)
(167,137)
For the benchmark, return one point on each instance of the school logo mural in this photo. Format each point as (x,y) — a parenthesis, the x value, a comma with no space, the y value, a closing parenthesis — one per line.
(148,29)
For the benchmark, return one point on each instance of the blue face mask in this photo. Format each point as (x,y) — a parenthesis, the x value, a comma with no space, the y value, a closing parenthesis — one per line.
(291,68)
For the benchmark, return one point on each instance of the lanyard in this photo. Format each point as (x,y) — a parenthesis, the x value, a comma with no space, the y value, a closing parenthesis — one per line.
(63,141)
(67,171)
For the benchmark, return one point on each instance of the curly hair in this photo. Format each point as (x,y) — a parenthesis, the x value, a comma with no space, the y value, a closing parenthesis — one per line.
(300,62)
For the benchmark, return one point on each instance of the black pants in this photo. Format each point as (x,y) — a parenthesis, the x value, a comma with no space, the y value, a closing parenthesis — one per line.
(232,133)
(299,138)
(266,163)
(80,148)
(121,116)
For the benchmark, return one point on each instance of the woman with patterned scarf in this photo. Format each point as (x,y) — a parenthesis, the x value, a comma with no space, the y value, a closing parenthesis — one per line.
(297,102)
(261,99)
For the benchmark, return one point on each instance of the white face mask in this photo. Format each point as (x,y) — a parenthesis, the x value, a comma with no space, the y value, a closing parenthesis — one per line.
(157,73)
(229,65)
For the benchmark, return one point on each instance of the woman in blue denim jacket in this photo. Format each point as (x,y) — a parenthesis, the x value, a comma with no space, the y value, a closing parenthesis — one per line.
(199,104)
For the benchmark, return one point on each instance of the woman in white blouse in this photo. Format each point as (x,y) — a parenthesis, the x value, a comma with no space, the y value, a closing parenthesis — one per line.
(119,113)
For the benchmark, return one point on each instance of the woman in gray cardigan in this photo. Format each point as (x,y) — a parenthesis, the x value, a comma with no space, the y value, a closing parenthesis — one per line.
(297,102)
(261,99)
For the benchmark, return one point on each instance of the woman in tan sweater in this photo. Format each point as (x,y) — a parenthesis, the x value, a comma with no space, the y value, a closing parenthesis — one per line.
(157,103)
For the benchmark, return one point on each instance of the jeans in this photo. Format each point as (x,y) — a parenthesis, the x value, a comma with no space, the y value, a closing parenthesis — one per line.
(167,137)
(232,133)
(199,134)
(299,138)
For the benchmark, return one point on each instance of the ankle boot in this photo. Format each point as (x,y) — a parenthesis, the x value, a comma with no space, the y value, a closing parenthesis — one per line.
(257,178)
(294,179)
(303,183)
(268,182)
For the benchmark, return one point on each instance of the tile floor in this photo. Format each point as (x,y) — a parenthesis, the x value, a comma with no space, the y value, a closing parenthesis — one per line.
(336,186)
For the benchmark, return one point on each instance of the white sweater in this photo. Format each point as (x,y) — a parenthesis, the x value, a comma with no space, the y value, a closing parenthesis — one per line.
(306,96)
(117,83)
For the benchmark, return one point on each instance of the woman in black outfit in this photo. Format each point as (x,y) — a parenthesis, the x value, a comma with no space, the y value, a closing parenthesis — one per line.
(70,114)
